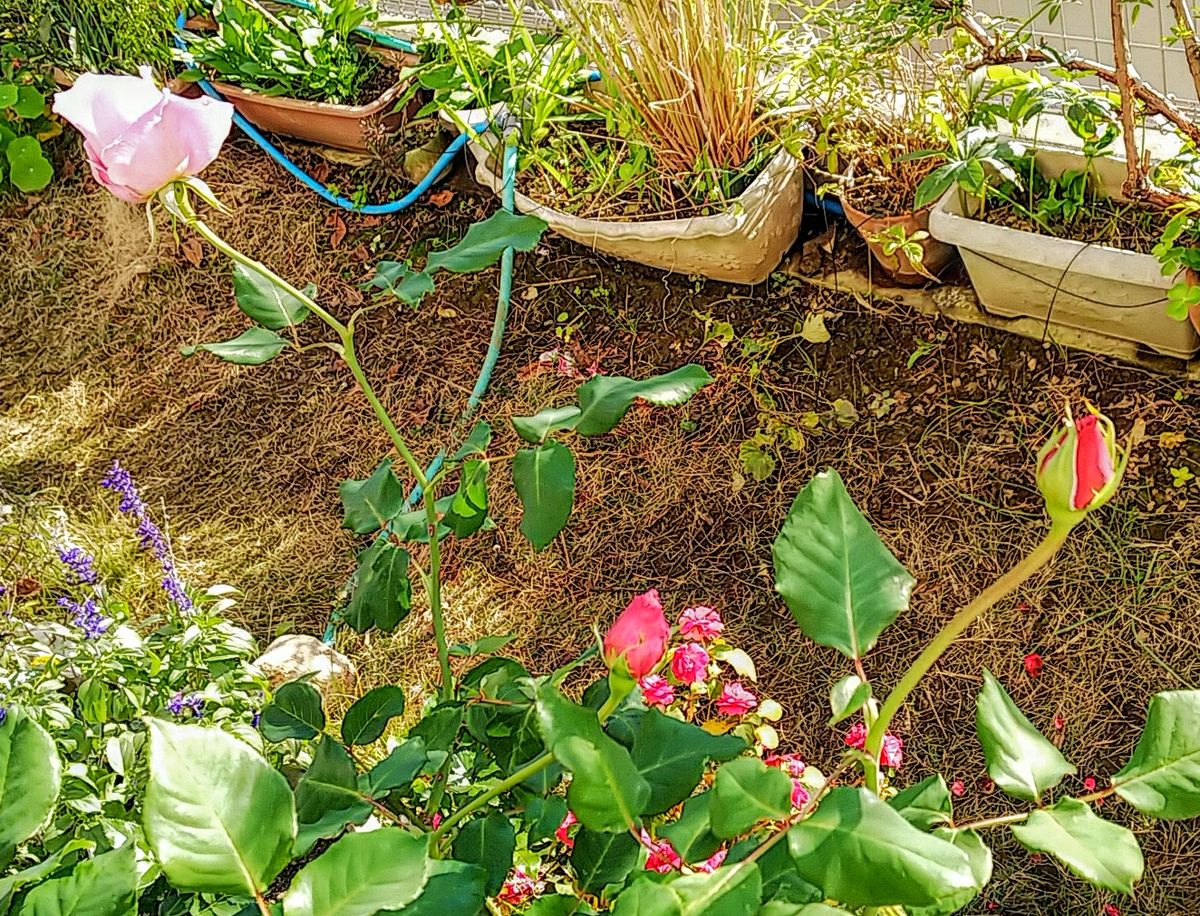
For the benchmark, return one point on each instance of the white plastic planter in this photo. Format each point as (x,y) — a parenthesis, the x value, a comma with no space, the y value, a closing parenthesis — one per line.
(1109,291)
(741,244)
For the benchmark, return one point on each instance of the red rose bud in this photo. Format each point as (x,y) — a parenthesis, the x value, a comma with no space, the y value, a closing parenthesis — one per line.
(637,640)
(1080,467)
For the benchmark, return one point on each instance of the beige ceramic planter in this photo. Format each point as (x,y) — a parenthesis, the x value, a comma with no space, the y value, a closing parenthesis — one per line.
(1110,291)
(741,244)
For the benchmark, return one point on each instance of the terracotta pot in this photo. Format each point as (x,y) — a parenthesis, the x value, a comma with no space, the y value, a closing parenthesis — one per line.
(349,127)
(937,255)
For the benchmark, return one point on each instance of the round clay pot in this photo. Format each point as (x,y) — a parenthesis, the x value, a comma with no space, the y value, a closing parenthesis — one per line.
(937,255)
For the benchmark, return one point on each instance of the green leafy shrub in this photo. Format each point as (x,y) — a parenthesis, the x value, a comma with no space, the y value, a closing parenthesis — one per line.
(104,37)
(25,122)
(300,53)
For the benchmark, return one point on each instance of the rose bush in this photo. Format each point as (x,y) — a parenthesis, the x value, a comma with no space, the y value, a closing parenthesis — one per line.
(655,788)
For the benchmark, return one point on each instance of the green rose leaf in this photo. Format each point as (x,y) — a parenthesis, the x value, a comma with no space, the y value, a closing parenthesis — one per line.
(837,578)
(28,168)
(600,858)
(35,874)
(544,478)
(980,858)
(535,429)
(485,646)
(671,756)
(476,442)
(103,886)
(397,770)
(605,399)
(294,712)
(362,874)
(370,504)
(1162,778)
(1020,760)
(732,890)
(925,804)
(1098,851)
(691,834)
(468,510)
(30,779)
(366,720)
(747,791)
(861,852)
(327,796)
(265,302)
(453,887)
(407,285)
(847,697)
(783,908)
(542,817)
(217,816)
(489,842)
(607,792)
(485,241)
(383,592)
(252,347)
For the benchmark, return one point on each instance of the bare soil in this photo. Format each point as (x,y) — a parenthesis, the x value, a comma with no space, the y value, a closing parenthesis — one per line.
(244,462)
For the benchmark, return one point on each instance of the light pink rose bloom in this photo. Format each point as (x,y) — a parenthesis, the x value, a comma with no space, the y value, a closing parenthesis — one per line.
(735,700)
(689,663)
(140,138)
(639,635)
(700,623)
(657,691)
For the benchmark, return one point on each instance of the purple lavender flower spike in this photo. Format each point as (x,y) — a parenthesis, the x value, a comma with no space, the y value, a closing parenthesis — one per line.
(149,534)
(79,565)
(3,714)
(86,616)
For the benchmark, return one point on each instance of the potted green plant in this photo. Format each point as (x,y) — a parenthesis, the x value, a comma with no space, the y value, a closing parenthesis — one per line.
(671,158)
(879,121)
(1076,236)
(311,73)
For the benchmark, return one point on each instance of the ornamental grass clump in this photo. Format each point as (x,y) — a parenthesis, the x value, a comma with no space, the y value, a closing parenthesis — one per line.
(681,77)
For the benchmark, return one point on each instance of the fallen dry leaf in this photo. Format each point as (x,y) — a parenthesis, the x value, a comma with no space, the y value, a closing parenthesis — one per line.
(193,251)
(441,198)
(338,225)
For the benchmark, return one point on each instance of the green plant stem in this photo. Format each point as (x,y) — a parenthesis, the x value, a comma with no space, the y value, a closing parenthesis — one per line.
(530,769)
(345,333)
(1005,585)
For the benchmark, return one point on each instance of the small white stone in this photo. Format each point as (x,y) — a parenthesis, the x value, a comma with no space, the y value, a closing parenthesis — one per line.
(294,656)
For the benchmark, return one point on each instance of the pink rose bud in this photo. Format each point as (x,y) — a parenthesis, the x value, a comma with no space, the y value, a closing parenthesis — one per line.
(139,138)
(735,700)
(689,663)
(1080,467)
(700,623)
(638,637)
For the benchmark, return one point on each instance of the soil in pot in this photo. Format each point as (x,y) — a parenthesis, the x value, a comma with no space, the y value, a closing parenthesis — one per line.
(588,172)
(1103,221)
(878,196)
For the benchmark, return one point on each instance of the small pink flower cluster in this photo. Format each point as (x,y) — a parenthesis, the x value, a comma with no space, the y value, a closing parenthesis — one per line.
(891,754)
(691,665)
(794,767)
(663,858)
(520,887)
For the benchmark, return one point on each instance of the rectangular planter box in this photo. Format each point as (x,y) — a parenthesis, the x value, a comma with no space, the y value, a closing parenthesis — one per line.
(741,244)
(1096,288)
